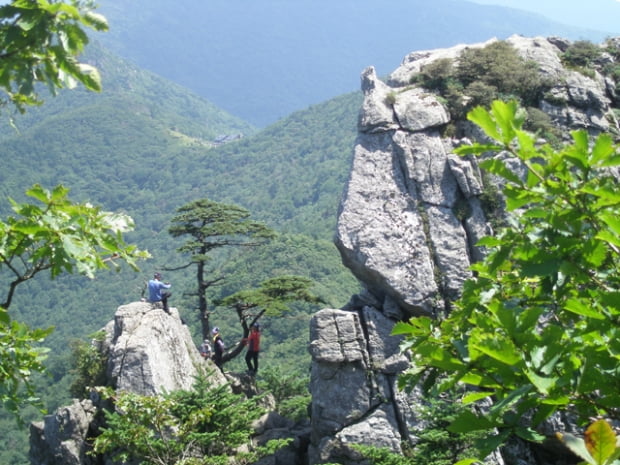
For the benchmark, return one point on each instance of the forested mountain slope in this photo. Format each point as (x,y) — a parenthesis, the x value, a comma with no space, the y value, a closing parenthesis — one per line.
(147,157)
(263,60)
(145,147)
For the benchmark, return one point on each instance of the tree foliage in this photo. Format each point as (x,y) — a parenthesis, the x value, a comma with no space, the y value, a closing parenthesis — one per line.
(89,364)
(60,236)
(210,225)
(271,298)
(202,426)
(482,74)
(39,42)
(289,389)
(536,329)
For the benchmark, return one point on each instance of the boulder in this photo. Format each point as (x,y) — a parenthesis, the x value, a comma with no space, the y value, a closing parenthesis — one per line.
(61,438)
(149,352)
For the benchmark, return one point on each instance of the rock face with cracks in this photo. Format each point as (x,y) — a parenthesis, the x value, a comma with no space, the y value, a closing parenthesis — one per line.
(409,219)
(149,352)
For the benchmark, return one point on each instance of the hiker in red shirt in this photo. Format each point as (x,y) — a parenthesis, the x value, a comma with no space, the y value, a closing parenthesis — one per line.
(253,343)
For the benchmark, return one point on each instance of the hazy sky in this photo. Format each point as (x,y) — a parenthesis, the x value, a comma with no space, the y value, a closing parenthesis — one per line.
(603,15)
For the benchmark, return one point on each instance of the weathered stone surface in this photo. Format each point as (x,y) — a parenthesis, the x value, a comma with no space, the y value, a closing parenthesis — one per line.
(380,234)
(151,352)
(384,355)
(416,110)
(60,439)
(354,398)
(423,159)
(376,114)
(148,352)
(336,336)
(339,375)
(451,247)
(466,174)
(408,224)
(541,50)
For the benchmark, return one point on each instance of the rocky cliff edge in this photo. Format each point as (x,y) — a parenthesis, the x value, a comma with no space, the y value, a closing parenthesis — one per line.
(402,232)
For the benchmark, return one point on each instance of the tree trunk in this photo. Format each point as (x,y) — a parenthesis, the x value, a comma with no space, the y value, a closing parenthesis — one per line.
(202,301)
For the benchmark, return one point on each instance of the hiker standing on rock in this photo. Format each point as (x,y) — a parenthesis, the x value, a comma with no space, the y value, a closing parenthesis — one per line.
(253,343)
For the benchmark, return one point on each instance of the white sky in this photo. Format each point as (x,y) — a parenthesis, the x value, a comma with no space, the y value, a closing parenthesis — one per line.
(601,15)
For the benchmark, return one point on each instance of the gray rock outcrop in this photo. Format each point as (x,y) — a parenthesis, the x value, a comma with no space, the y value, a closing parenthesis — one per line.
(408,222)
(61,438)
(148,352)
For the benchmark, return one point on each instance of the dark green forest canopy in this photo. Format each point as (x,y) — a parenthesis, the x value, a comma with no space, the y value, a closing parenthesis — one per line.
(291,176)
(124,152)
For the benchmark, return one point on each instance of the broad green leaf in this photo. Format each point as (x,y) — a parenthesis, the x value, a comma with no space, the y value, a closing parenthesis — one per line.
(583,308)
(611,161)
(526,146)
(609,237)
(529,434)
(475,379)
(600,441)
(489,241)
(595,252)
(497,347)
(498,167)
(603,148)
(513,397)
(39,193)
(542,384)
(4,317)
(612,221)
(468,461)
(95,20)
(505,116)
(414,326)
(546,268)
(467,421)
(481,117)
(475,396)
(89,76)
(491,443)
(477,149)
(581,140)
(578,156)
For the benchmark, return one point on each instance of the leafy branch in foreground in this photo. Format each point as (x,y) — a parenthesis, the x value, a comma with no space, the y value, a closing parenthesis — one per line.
(40,44)
(536,330)
(60,236)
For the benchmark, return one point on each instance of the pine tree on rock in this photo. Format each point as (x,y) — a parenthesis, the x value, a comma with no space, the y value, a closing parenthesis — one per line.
(209,225)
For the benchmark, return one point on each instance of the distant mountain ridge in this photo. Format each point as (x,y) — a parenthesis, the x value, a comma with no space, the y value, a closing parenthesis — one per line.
(262,60)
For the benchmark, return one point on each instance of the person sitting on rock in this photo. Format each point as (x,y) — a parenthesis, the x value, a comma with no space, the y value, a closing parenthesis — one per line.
(155,291)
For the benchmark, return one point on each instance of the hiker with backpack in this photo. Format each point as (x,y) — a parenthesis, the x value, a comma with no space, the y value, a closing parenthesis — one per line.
(205,349)
(218,348)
